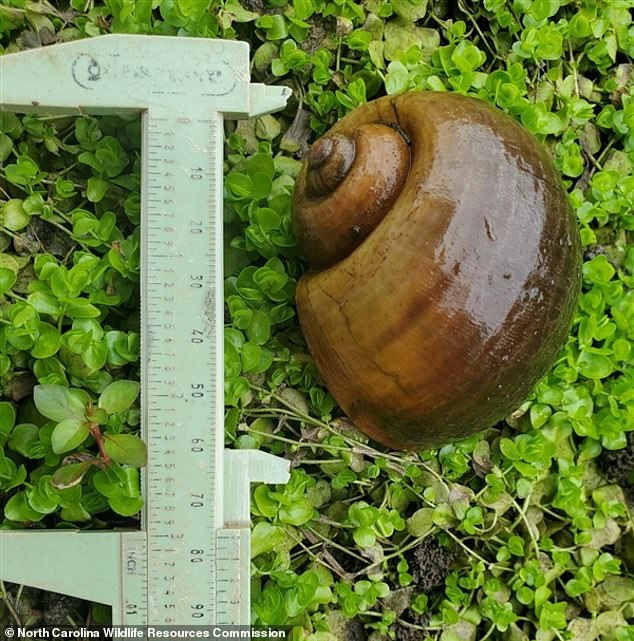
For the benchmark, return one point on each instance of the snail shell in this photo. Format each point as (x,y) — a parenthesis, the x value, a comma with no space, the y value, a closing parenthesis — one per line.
(445,265)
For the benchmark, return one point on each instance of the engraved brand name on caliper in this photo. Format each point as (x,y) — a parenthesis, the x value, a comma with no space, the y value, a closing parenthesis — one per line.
(217,79)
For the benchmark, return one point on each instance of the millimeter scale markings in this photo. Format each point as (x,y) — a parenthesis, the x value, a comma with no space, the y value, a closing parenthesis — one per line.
(189,562)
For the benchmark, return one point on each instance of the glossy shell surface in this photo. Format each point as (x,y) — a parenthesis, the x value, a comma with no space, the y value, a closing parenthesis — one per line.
(442,320)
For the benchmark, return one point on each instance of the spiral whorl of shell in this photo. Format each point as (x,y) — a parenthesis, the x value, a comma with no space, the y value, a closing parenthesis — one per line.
(348,183)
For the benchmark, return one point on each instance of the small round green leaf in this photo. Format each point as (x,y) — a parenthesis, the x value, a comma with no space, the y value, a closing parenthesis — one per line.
(298,513)
(118,396)
(125,506)
(266,537)
(13,216)
(70,475)
(364,537)
(18,509)
(59,403)
(7,418)
(593,365)
(25,441)
(75,512)
(126,449)
(7,279)
(44,303)
(47,343)
(107,483)
(96,189)
(69,434)
(41,502)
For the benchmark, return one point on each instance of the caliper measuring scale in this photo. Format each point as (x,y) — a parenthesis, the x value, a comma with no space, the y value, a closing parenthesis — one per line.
(189,562)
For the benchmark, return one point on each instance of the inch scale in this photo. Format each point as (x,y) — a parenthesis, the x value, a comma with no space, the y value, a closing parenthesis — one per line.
(189,562)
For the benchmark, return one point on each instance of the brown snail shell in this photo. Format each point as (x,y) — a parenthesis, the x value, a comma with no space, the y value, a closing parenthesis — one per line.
(432,315)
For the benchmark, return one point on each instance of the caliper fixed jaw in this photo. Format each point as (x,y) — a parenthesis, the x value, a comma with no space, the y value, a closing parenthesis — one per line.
(123,73)
(265,99)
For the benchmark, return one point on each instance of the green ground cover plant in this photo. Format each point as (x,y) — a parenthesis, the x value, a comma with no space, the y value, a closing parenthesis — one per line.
(521,533)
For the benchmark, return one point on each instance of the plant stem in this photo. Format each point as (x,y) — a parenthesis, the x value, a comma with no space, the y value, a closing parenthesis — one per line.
(95,432)
(8,601)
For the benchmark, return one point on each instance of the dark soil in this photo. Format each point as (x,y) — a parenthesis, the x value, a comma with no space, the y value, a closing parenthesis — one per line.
(405,633)
(355,631)
(430,563)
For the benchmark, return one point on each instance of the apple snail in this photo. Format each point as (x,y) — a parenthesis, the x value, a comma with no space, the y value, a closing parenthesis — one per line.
(445,265)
